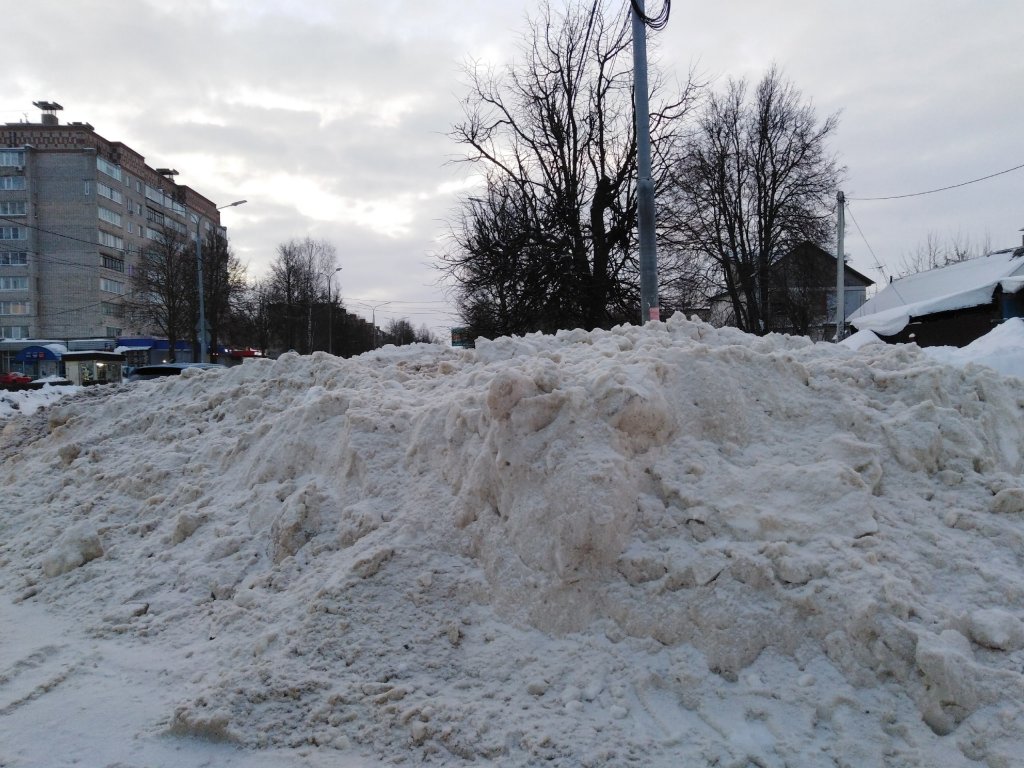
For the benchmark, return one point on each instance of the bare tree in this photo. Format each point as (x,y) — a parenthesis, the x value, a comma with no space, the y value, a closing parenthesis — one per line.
(299,280)
(251,318)
(426,336)
(937,251)
(223,284)
(550,244)
(400,332)
(756,180)
(164,288)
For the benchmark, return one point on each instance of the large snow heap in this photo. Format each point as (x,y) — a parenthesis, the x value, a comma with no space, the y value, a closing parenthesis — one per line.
(660,546)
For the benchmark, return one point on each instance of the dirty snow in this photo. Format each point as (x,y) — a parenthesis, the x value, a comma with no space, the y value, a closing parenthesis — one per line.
(667,546)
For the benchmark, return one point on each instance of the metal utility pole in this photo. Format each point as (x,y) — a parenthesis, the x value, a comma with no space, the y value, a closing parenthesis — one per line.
(649,309)
(840,267)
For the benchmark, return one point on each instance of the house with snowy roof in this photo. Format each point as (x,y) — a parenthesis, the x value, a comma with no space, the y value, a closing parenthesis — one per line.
(951,305)
(801,294)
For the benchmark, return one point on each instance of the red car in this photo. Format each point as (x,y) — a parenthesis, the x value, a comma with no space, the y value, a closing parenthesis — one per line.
(13,377)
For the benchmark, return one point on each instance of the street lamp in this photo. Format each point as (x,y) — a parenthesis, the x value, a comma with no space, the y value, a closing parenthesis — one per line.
(330,310)
(199,273)
(373,321)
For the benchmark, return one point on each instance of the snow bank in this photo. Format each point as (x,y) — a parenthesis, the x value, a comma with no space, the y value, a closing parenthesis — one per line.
(651,547)
(28,401)
(1002,348)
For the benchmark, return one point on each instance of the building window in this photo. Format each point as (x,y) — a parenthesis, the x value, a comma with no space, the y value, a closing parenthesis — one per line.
(12,182)
(108,168)
(12,157)
(153,234)
(15,308)
(13,283)
(13,208)
(112,310)
(111,286)
(109,262)
(13,331)
(111,241)
(113,333)
(13,233)
(110,217)
(109,192)
(13,258)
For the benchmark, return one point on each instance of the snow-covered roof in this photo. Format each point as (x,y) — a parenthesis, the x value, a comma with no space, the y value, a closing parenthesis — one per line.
(956,286)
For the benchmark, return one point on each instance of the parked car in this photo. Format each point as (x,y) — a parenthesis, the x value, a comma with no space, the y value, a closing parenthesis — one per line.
(14,377)
(158,370)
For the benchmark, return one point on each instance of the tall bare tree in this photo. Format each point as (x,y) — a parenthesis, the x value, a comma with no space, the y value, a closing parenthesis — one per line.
(550,242)
(756,180)
(163,288)
(223,284)
(300,279)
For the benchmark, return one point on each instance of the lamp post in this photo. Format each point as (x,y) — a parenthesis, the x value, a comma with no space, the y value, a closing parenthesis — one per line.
(199,274)
(373,321)
(330,310)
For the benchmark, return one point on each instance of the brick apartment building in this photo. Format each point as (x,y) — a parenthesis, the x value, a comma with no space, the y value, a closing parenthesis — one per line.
(76,210)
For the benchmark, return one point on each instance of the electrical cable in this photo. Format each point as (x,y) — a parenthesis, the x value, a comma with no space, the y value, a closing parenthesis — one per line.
(656,23)
(878,263)
(940,189)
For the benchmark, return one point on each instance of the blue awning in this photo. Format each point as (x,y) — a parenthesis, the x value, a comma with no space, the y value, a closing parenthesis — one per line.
(36,353)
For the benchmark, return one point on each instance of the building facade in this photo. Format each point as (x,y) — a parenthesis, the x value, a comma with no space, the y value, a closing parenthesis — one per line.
(76,213)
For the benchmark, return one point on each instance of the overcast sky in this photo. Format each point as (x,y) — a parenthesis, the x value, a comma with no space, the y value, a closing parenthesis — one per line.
(330,116)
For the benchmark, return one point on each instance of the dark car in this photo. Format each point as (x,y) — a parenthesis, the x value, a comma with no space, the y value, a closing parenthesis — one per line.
(158,370)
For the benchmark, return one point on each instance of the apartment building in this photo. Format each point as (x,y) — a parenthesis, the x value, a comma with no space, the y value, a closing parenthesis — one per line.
(76,211)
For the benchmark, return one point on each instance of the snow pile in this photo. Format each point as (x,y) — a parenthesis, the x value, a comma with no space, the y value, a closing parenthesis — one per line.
(1002,349)
(27,401)
(651,547)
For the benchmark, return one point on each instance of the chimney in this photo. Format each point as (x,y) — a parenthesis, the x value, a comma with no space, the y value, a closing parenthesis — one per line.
(50,110)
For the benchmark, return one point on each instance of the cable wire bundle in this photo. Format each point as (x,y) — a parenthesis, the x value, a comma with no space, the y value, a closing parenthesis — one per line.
(657,23)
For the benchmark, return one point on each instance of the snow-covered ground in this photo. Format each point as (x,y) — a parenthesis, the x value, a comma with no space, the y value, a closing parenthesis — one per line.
(667,546)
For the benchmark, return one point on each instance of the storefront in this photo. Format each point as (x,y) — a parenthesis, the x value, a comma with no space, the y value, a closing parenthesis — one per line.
(93,367)
(40,360)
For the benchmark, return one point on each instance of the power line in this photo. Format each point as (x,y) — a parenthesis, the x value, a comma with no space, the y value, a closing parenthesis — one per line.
(878,263)
(940,189)
(657,23)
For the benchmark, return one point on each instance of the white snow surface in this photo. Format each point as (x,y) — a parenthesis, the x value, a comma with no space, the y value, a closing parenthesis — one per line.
(28,401)
(1002,348)
(674,545)
(955,286)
